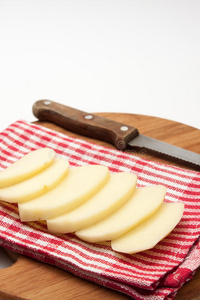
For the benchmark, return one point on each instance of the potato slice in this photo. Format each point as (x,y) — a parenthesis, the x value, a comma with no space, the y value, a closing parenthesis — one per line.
(150,232)
(113,195)
(144,202)
(80,184)
(36,185)
(27,166)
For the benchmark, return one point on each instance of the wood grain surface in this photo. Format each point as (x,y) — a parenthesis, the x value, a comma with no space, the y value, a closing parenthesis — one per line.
(30,279)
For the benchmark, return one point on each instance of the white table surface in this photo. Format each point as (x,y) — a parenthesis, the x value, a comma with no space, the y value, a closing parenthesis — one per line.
(131,56)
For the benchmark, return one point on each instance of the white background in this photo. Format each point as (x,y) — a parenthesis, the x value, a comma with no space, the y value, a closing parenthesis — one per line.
(101,56)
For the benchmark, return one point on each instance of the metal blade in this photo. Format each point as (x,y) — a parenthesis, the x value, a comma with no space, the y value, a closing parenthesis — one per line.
(147,143)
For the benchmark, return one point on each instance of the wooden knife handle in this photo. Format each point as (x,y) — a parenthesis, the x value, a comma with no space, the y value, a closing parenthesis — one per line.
(84,123)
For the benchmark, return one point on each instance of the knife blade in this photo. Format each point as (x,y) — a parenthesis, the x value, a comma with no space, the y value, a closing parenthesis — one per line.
(122,136)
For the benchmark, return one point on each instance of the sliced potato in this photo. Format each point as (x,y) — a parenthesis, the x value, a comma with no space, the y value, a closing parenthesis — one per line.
(27,166)
(113,195)
(150,232)
(80,184)
(144,202)
(37,184)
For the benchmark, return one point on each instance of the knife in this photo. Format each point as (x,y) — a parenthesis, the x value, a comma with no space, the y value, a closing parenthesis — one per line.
(122,136)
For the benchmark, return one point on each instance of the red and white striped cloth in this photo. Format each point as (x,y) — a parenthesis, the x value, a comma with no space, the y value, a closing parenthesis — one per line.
(155,274)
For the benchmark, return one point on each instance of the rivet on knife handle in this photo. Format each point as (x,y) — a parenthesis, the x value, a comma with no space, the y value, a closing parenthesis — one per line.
(84,123)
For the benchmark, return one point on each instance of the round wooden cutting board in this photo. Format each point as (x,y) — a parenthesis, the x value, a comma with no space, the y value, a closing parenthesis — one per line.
(30,279)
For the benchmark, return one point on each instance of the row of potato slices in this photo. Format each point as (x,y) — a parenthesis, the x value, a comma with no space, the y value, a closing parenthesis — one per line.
(92,202)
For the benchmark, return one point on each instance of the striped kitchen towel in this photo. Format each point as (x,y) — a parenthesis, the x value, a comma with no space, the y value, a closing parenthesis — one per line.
(155,274)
